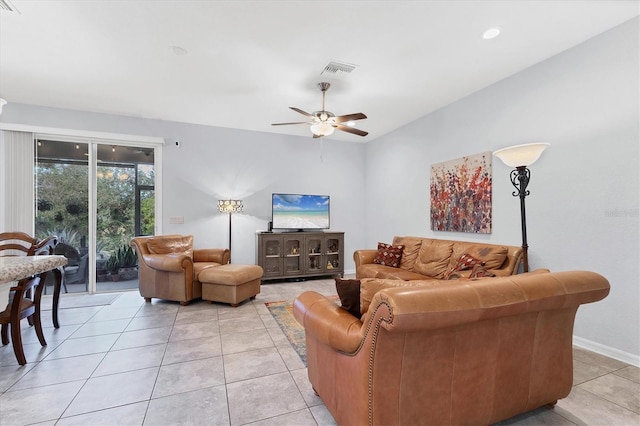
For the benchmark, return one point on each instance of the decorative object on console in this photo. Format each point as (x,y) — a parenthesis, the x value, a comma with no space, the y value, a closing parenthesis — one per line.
(520,157)
(461,192)
(230,206)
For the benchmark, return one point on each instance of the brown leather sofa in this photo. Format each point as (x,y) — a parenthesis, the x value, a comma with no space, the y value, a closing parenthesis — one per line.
(169,266)
(430,258)
(447,352)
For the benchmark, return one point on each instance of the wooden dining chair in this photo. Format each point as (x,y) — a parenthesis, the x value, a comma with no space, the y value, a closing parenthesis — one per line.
(23,303)
(22,244)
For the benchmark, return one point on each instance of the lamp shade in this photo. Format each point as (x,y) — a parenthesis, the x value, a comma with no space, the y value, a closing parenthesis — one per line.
(322,128)
(230,206)
(2,103)
(521,155)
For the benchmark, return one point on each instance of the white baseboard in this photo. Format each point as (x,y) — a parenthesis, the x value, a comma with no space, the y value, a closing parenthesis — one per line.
(607,351)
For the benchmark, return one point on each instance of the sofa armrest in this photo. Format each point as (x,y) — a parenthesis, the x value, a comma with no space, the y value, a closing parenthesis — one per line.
(328,322)
(220,256)
(171,262)
(362,257)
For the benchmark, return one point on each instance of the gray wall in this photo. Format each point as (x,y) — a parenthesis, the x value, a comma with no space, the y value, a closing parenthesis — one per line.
(583,209)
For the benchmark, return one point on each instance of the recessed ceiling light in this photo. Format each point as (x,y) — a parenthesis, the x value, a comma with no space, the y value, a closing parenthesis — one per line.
(350,123)
(491,33)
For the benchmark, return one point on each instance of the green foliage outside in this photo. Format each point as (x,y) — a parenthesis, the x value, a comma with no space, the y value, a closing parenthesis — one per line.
(62,204)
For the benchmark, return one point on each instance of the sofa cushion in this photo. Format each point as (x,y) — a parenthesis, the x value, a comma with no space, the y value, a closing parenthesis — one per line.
(409,252)
(166,245)
(389,255)
(349,294)
(492,256)
(433,258)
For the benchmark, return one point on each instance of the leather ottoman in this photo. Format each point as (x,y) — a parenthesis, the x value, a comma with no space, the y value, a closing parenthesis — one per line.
(230,283)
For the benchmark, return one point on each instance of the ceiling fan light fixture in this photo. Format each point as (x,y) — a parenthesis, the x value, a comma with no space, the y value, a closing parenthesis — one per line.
(322,128)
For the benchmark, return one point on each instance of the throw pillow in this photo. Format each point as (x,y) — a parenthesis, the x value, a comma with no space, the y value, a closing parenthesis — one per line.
(349,294)
(464,262)
(492,256)
(389,255)
(479,271)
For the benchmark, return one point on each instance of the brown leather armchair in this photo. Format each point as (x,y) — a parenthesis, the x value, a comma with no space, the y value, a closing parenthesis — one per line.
(439,353)
(169,266)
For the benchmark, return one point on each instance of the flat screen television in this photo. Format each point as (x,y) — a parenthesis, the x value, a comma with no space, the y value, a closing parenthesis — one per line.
(300,211)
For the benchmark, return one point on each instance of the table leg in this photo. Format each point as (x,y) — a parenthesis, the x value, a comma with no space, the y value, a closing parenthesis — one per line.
(59,276)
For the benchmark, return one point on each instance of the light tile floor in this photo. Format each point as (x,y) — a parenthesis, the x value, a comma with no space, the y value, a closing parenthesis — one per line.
(132,363)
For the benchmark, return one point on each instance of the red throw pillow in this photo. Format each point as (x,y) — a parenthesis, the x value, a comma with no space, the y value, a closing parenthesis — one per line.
(388,255)
(466,261)
(349,294)
(480,271)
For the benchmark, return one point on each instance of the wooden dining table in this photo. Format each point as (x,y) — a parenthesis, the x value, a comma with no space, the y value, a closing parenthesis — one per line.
(15,268)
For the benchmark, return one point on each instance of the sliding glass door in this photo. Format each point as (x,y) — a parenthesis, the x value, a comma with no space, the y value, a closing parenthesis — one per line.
(95,197)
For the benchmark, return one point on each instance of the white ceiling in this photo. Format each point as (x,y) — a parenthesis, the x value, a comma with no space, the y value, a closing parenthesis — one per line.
(248,61)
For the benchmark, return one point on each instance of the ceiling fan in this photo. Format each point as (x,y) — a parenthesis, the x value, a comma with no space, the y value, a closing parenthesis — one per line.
(323,123)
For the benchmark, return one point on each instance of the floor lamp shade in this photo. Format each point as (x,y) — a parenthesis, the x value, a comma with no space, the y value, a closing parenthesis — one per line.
(230,207)
(520,157)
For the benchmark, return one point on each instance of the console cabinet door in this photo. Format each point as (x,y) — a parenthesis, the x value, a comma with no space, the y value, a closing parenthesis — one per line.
(270,254)
(292,257)
(315,254)
(334,253)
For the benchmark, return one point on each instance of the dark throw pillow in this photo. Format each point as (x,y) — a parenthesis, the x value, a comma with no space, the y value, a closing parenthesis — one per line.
(389,255)
(349,293)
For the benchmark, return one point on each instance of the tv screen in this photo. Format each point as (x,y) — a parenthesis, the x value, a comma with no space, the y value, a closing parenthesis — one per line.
(297,211)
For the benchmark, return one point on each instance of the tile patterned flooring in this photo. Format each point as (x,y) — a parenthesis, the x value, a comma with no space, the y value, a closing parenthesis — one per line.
(131,363)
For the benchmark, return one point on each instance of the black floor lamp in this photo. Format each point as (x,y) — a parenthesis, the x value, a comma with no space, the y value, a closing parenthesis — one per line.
(230,206)
(520,157)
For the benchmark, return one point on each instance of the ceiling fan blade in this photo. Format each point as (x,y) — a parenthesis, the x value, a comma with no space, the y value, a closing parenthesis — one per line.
(349,117)
(298,110)
(316,136)
(351,130)
(286,124)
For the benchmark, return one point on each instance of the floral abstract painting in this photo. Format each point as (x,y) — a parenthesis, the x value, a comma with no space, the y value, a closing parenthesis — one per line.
(461,192)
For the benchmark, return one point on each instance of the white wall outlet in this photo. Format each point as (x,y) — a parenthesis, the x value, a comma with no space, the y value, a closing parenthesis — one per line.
(176,220)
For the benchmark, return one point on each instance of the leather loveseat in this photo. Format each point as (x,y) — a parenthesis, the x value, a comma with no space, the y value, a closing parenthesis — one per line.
(169,266)
(447,352)
(429,258)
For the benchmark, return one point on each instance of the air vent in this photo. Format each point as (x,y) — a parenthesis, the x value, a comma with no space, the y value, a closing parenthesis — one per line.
(8,6)
(337,69)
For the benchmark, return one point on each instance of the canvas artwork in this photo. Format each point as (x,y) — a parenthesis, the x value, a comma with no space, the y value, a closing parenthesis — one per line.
(461,194)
